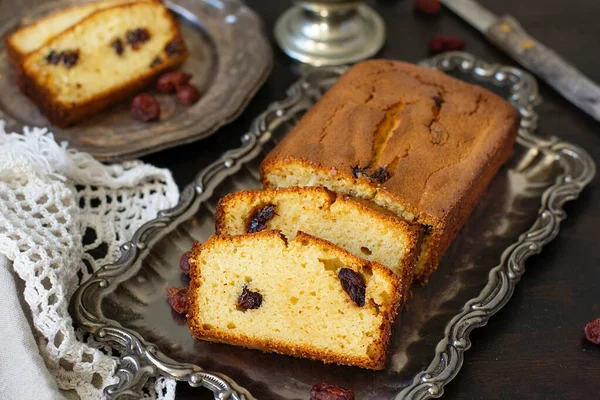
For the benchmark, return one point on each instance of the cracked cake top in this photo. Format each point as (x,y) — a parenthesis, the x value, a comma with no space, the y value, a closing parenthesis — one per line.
(419,135)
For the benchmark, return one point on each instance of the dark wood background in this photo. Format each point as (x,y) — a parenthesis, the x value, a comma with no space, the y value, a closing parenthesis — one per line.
(534,348)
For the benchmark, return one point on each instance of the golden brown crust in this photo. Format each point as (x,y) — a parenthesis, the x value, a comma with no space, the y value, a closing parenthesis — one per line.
(63,115)
(375,363)
(440,139)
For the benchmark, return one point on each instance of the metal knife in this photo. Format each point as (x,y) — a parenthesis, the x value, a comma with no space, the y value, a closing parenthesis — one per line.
(506,33)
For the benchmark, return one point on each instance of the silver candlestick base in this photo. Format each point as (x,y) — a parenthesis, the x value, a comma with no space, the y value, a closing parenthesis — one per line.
(330,32)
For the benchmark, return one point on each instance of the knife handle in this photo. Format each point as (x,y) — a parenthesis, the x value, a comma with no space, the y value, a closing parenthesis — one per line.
(509,35)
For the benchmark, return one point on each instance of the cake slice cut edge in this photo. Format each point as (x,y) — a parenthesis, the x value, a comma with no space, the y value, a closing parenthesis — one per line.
(363,228)
(32,36)
(304,312)
(106,57)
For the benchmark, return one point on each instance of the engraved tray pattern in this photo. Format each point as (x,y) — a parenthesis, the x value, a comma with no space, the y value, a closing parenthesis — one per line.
(124,304)
(230,58)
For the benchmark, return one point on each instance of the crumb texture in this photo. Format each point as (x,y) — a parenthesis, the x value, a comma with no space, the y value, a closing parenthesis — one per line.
(304,310)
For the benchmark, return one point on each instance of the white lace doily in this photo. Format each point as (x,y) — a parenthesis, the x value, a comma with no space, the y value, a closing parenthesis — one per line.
(62,216)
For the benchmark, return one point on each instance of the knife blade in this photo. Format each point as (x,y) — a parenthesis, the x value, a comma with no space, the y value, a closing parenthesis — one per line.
(506,33)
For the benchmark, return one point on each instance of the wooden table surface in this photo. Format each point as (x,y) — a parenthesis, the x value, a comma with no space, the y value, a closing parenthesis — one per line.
(534,348)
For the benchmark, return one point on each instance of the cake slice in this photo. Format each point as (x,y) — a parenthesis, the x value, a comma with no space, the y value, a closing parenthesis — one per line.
(34,35)
(107,56)
(417,142)
(363,229)
(305,297)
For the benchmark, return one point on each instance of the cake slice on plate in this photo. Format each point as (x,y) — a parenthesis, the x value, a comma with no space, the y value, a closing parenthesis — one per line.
(107,56)
(360,227)
(304,297)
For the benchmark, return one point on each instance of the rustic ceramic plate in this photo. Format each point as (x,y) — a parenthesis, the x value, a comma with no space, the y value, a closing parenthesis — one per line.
(230,58)
(125,303)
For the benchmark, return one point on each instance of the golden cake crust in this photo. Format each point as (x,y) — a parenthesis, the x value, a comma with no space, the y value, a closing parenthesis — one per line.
(36,86)
(438,140)
(381,345)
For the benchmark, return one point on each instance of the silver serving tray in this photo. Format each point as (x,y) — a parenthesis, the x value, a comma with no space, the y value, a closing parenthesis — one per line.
(230,58)
(124,304)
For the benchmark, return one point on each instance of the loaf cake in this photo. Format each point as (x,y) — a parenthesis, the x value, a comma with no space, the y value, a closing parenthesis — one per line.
(34,35)
(363,229)
(415,141)
(107,56)
(304,297)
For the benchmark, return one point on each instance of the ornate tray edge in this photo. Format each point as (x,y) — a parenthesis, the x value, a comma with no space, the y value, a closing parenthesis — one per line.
(141,359)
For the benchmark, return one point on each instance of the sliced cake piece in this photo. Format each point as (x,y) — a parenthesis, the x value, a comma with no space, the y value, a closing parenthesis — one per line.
(415,141)
(364,229)
(305,297)
(106,57)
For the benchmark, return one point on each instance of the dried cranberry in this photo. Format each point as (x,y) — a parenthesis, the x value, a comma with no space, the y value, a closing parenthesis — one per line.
(259,220)
(145,107)
(117,44)
(354,285)
(53,57)
(170,81)
(174,48)
(178,299)
(184,262)
(136,37)
(429,7)
(380,175)
(592,331)
(156,62)
(70,57)
(327,391)
(187,94)
(439,44)
(249,300)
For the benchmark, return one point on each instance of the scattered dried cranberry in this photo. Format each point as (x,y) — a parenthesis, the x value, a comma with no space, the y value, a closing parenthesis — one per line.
(429,7)
(184,262)
(178,299)
(353,284)
(53,57)
(117,44)
(136,37)
(174,48)
(187,94)
(249,300)
(259,220)
(327,391)
(70,57)
(145,107)
(170,81)
(439,44)
(592,331)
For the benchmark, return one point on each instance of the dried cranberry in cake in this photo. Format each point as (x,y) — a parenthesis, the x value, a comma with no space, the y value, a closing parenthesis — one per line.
(429,7)
(137,37)
(178,299)
(70,57)
(117,44)
(259,220)
(327,391)
(145,107)
(53,57)
(354,285)
(184,262)
(592,331)
(188,94)
(439,44)
(156,62)
(380,175)
(170,81)
(174,48)
(249,300)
